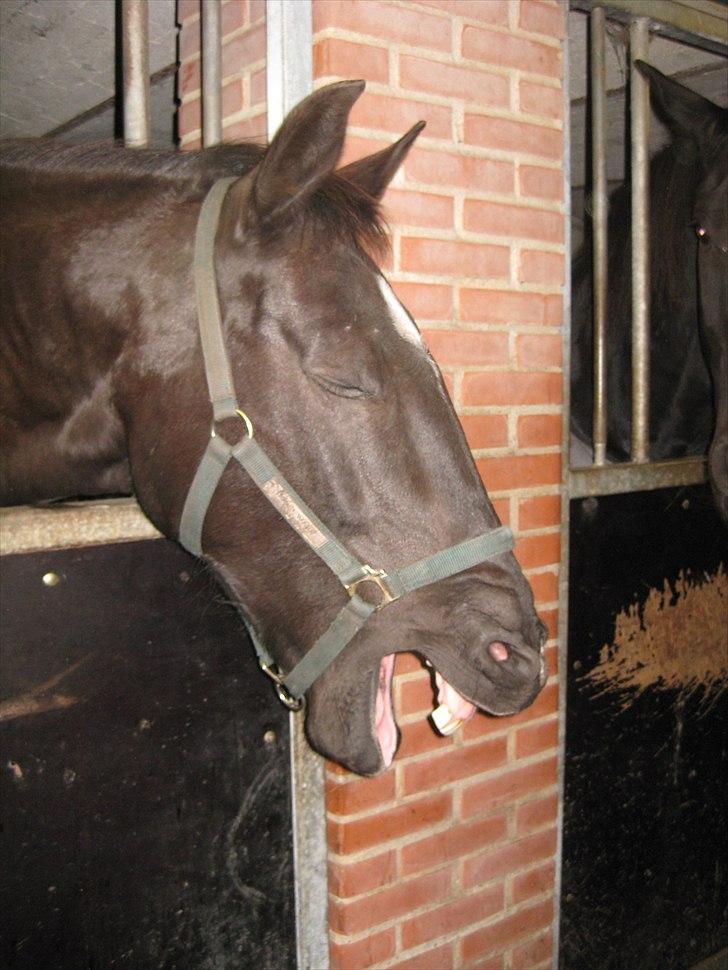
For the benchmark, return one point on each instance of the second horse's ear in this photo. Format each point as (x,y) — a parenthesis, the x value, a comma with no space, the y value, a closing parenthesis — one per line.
(304,151)
(374,173)
(686,113)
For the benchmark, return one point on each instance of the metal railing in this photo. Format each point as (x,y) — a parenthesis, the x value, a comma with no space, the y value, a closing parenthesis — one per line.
(702,23)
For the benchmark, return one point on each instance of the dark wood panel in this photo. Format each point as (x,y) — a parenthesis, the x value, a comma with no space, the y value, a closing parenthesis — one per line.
(644,872)
(146,816)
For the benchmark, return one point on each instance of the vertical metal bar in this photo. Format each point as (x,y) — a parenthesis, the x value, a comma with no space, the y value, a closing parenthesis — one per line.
(135,55)
(639,39)
(289,64)
(211,55)
(599,223)
(289,78)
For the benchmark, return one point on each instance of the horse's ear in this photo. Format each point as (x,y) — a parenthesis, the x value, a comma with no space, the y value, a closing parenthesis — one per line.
(686,113)
(374,173)
(304,150)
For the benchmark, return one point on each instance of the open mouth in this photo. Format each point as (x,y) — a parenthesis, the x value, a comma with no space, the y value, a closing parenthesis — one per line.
(450,714)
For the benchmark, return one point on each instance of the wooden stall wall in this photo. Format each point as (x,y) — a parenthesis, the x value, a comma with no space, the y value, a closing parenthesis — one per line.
(447,860)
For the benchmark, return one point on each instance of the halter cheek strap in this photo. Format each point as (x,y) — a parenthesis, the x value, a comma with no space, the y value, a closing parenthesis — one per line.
(385,587)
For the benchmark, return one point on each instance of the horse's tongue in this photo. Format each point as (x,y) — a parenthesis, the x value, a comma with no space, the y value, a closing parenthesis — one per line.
(453,711)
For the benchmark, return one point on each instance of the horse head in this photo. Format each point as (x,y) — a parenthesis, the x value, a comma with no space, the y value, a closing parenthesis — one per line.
(701,128)
(345,402)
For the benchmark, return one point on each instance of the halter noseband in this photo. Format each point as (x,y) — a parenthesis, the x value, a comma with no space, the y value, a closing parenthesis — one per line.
(353,575)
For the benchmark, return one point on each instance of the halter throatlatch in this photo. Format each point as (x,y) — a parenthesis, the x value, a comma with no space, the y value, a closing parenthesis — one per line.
(382,586)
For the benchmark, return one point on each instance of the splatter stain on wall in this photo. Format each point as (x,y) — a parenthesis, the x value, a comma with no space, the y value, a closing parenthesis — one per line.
(676,639)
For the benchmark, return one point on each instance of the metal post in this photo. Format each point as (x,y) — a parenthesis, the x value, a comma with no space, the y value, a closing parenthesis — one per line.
(289,78)
(211,55)
(599,224)
(135,54)
(639,39)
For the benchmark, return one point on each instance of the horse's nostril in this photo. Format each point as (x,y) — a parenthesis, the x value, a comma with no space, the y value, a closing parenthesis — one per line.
(498,651)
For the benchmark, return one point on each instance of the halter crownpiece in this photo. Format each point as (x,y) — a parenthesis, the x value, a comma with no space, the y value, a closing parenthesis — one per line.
(386,586)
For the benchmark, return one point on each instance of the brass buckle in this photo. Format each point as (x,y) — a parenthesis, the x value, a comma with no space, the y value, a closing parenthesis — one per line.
(376,576)
(245,419)
(292,703)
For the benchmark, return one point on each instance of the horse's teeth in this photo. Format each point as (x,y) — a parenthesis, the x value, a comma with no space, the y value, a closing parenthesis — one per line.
(444,721)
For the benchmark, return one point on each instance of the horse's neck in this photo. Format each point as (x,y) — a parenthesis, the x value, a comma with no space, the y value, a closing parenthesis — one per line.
(70,307)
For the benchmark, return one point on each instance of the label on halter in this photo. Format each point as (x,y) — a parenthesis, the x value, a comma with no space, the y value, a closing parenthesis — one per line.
(293,514)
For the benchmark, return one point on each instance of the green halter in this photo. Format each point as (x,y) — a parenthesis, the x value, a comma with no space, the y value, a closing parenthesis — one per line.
(387,586)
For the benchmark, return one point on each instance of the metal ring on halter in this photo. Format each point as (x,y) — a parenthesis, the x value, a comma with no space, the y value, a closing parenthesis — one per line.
(246,421)
(292,703)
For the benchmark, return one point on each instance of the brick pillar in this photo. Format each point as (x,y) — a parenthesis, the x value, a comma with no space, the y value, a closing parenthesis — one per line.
(447,860)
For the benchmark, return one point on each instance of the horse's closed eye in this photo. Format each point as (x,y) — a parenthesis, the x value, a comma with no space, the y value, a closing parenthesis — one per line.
(342,387)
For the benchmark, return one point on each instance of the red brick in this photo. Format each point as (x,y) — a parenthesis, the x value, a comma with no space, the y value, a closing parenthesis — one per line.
(541,183)
(485,430)
(512,929)
(425,301)
(499,306)
(408,663)
(455,842)
(354,878)
(538,350)
(244,49)
(512,221)
(511,387)
(507,786)
(252,128)
(453,765)
(502,508)
(461,171)
(232,97)
(550,619)
(498,861)
(513,136)
(404,897)
(397,115)
(542,18)
(420,737)
(492,12)
(189,116)
(189,39)
(446,257)
(258,87)
(538,431)
(537,814)
(186,9)
(554,311)
(189,77)
(535,954)
(536,738)
(404,207)
(439,958)
(359,794)
(536,266)
(256,10)
(539,99)
(519,471)
(233,16)
(416,696)
(452,916)
(545,587)
(333,57)
(533,551)
(466,347)
(392,823)
(370,951)
(508,50)
(452,81)
(384,21)
(535,882)
(539,513)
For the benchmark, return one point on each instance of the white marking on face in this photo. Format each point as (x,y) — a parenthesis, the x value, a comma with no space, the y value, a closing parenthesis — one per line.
(400,318)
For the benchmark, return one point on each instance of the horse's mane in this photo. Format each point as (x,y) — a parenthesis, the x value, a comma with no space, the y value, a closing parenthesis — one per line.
(338,206)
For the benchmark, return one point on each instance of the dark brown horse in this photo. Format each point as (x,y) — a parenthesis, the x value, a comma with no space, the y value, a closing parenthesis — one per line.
(689,295)
(105,392)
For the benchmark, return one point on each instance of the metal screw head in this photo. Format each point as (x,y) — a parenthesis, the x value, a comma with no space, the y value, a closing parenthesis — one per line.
(269,737)
(51,579)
